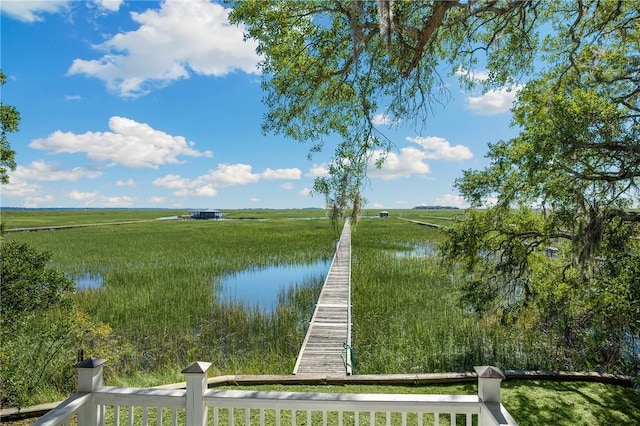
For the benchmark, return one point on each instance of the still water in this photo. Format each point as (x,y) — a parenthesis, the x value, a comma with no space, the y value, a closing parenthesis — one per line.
(87,281)
(423,250)
(251,287)
(260,287)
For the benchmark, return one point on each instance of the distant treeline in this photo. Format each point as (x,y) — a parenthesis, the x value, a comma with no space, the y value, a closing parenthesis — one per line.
(435,208)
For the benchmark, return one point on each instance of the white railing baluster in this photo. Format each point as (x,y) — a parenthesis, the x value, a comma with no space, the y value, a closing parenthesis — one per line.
(88,406)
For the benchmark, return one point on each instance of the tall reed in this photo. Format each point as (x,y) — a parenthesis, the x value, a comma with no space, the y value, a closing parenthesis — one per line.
(158,291)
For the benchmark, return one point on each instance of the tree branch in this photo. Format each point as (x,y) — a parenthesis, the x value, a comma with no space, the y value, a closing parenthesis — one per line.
(430,26)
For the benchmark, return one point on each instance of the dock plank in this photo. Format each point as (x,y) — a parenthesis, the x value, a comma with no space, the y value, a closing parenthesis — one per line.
(323,350)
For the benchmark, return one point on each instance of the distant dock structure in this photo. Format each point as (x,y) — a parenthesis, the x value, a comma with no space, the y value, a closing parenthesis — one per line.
(205,214)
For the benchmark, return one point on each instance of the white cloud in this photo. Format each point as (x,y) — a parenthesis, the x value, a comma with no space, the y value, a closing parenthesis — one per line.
(96,199)
(157,200)
(72,97)
(225,175)
(172,42)
(117,201)
(128,182)
(292,173)
(255,199)
(493,102)
(110,5)
(451,200)
(318,170)
(172,182)
(32,11)
(229,175)
(378,206)
(49,172)
(18,187)
(82,196)
(287,185)
(491,201)
(476,76)
(408,162)
(383,119)
(34,202)
(203,191)
(305,192)
(439,148)
(130,144)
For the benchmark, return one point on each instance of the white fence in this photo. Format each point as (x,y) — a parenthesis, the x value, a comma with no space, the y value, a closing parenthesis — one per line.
(94,404)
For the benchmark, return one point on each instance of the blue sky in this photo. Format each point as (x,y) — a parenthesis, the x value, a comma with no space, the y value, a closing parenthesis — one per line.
(158,104)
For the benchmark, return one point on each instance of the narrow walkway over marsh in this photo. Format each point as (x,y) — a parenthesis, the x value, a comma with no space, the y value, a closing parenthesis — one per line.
(325,349)
(432,225)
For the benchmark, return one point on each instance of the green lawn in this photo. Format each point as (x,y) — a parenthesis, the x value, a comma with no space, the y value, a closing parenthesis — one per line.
(529,402)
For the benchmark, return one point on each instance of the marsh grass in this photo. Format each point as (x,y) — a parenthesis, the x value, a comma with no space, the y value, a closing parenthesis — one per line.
(407,312)
(159,296)
(158,293)
(32,218)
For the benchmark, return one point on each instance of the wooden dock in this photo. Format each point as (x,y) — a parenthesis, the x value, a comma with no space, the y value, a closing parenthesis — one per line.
(326,347)
(432,225)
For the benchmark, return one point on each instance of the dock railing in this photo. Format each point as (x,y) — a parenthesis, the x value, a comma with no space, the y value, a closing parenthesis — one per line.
(94,404)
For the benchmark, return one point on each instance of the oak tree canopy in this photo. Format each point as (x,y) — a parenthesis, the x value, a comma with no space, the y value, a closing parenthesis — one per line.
(566,184)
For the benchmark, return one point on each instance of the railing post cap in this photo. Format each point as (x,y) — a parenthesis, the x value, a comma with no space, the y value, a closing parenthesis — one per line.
(489,372)
(197,367)
(90,363)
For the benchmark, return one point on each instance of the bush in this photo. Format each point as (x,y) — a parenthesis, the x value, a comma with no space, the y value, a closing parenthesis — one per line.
(40,330)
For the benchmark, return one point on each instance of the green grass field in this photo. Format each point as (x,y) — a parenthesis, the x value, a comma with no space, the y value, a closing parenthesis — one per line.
(160,303)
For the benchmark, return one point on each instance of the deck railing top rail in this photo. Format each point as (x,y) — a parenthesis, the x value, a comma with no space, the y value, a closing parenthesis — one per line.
(94,403)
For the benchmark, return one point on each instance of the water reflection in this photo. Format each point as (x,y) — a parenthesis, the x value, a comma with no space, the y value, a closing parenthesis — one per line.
(260,287)
(87,281)
(421,250)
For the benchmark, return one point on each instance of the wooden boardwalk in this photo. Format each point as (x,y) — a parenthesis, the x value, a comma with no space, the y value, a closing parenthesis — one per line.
(432,225)
(325,347)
